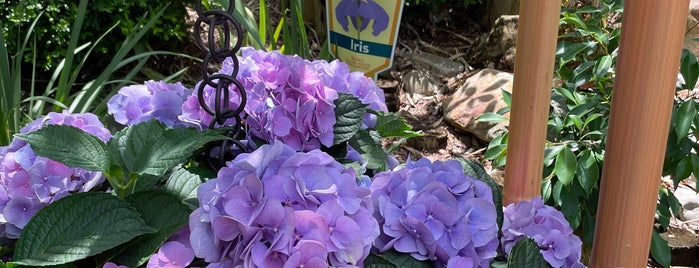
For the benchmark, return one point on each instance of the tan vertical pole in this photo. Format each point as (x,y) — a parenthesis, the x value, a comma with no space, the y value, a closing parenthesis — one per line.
(531,97)
(647,66)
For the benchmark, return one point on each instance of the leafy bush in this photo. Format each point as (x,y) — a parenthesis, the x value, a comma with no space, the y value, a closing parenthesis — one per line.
(577,126)
(60,88)
(53,29)
(306,201)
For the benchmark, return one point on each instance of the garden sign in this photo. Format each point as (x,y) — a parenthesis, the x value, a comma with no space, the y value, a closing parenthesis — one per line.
(352,40)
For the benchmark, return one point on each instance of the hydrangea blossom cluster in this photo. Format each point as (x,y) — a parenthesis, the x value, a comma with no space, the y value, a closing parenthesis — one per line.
(278,207)
(29,182)
(337,75)
(547,227)
(176,252)
(192,111)
(288,98)
(434,211)
(152,100)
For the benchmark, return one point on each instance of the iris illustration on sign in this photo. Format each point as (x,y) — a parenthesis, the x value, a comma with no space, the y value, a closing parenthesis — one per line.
(363,33)
(361,13)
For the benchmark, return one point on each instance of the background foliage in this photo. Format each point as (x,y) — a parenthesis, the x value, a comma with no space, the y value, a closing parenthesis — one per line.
(577,126)
(54,28)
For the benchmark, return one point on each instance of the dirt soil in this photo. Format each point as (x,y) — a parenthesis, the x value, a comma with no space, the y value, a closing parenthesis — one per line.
(446,31)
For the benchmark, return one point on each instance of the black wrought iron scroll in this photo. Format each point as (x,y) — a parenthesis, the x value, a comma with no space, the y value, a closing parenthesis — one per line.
(219,24)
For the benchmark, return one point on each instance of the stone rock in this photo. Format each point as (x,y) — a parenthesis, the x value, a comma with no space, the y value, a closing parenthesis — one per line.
(692,28)
(694,8)
(420,82)
(439,65)
(479,94)
(689,199)
(497,47)
(496,8)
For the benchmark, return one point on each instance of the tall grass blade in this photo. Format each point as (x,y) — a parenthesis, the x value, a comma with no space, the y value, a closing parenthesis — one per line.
(7,93)
(64,86)
(298,30)
(262,27)
(11,84)
(247,19)
(89,95)
(277,34)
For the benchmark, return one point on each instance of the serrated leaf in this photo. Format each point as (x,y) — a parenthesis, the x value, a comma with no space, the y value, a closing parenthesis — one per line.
(160,210)
(660,250)
(78,226)
(394,259)
(392,125)
(133,142)
(525,253)
(184,182)
(477,171)
(151,148)
(349,115)
(565,166)
(683,120)
(70,146)
(369,148)
(177,146)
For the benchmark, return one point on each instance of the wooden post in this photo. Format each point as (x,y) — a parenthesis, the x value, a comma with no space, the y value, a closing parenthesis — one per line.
(649,56)
(531,97)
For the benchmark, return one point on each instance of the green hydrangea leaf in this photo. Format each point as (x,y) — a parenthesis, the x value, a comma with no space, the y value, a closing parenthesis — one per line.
(151,148)
(349,115)
(78,226)
(525,253)
(184,182)
(160,210)
(394,259)
(368,144)
(70,146)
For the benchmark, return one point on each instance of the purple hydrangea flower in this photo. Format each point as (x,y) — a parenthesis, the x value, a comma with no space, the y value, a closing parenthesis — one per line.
(547,227)
(192,111)
(153,100)
(434,211)
(276,207)
(337,75)
(29,182)
(289,99)
(176,252)
(113,265)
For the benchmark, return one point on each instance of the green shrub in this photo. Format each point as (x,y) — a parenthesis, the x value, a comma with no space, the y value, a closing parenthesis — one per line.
(53,28)
(574,154)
